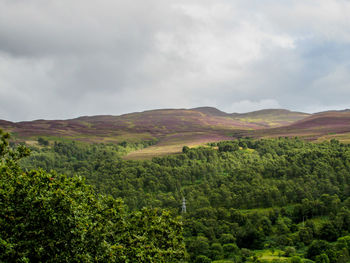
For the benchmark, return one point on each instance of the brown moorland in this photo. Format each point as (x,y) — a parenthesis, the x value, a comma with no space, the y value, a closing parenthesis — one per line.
(319,126)
(146,125)
(173,128)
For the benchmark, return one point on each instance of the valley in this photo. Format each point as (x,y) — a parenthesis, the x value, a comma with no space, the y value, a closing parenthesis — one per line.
(265,186)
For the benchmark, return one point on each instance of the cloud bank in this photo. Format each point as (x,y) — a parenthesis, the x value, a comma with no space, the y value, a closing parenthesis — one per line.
(62,59)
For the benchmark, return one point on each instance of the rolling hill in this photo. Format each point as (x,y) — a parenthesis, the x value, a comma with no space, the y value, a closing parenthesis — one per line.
(319,126)
(153,124)
(263,118)
(173,128)
(271,117)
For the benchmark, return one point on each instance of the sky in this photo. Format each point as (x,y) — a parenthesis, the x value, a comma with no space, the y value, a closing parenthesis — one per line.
(67,58)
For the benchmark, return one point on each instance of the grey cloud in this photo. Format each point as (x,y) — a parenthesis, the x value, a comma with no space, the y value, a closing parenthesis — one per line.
(62,59)
(64,27)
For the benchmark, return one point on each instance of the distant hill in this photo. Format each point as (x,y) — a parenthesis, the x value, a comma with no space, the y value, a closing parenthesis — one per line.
(152,124)
(173,128)
(147,125)
(271,117)
(319,126)
(264,118)
(211,111)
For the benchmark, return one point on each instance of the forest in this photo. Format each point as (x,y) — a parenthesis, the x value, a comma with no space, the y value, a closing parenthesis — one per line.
(266,200)
(50,217)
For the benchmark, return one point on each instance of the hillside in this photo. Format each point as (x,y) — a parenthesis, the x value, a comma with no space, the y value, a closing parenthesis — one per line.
(264,118)
(162,124)
(275,200)
(211,111)
(155,124)
(319,126)
(173,128)
(271,117)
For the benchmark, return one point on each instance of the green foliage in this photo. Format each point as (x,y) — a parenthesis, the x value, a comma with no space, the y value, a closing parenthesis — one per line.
(228,146)
(154,236)
(47,217)
(295,259)
(202,259)
(216,251)
(185,149)
(289,251)
(245,195)
(323,258)
(316,248)
(43,142)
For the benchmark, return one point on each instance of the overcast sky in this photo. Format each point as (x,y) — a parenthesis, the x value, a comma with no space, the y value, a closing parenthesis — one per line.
(66,58)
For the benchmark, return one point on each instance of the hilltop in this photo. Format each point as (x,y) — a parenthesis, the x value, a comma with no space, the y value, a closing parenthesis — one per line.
(271,117)
(173,128)
(319,126)
(150,124)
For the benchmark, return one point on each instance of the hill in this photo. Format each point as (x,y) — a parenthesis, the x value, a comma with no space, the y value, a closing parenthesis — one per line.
(170,127)
(271,117)
(211,111)
(173,128)
(153,124)
(319,126)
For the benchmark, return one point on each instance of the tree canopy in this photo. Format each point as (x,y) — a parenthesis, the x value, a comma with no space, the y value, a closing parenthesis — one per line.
(284,196)
(50,217)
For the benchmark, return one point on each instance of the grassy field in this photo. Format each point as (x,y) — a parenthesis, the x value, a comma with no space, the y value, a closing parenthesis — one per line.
(172,144)
(262,256)
(345,137)
(270,256)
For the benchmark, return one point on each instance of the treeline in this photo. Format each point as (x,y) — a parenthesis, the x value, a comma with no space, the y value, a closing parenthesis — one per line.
(245,195)
(69,157)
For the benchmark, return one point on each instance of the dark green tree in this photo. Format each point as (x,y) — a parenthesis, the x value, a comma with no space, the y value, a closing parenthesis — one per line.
(47,217)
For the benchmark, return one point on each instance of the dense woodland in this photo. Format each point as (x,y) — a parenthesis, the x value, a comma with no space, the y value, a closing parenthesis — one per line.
(245,199)
(47,217)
